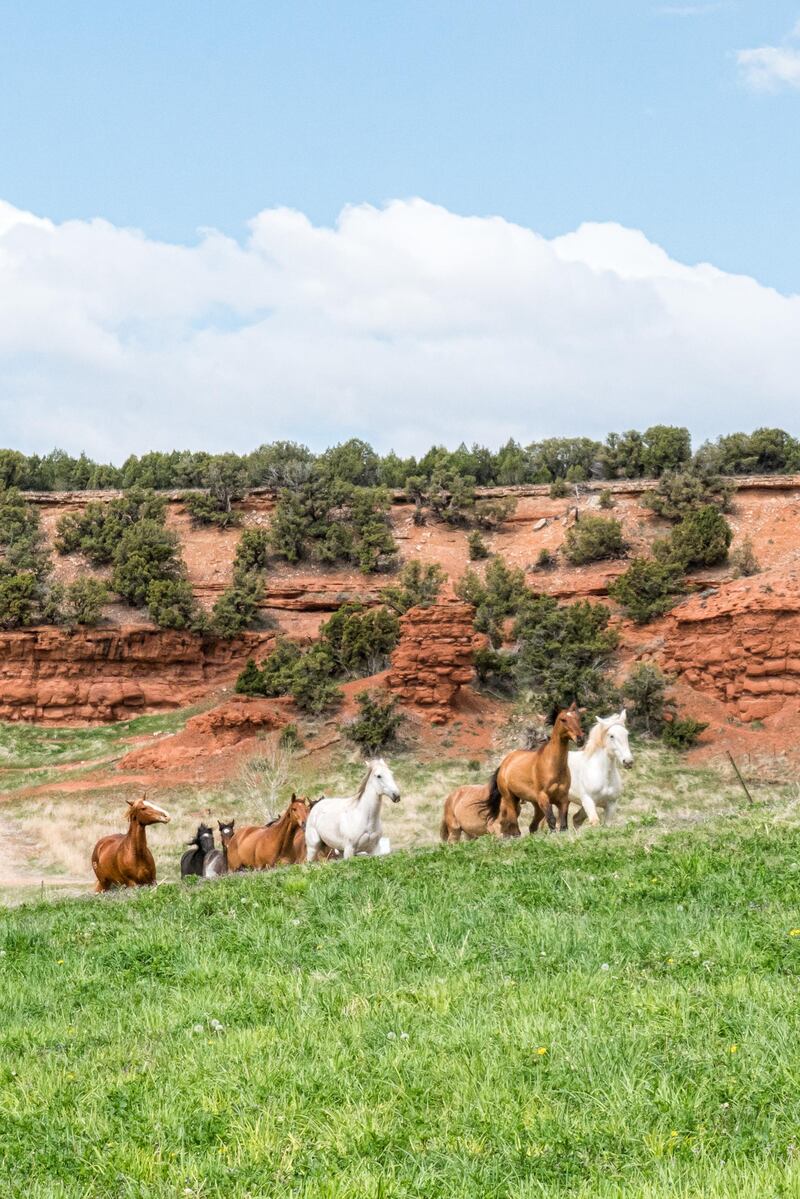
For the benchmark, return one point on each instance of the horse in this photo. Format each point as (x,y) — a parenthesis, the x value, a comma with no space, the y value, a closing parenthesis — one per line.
(123,859)
(201,845)
(539,776)
(595,780)
(470,810)
(262,846)
(352,824)
(216,862)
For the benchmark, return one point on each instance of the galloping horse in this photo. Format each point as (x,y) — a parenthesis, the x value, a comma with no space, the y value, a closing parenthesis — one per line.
(216,862)
(201,845)
(473,811)
(595,780)
(123,859)
(540,776)
(352,824)
(262,846)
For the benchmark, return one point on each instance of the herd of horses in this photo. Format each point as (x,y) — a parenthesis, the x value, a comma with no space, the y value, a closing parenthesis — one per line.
(550,778)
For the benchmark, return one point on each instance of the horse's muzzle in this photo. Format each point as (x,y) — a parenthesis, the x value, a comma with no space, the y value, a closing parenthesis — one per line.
(628,765)
(396,798)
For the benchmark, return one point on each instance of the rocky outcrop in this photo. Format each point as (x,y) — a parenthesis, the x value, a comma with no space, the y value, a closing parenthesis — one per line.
(237,719)
(66,676)
(741,645)
(434,657)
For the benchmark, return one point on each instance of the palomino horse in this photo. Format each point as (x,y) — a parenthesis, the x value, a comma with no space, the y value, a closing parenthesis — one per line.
(201,845)
(216,862)
(595,780)
(123,859)
(262,846)
(352,824)
(473,811)
(540,776)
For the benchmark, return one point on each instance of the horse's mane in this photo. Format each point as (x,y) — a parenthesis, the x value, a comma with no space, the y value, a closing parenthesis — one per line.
(595,740)
(362,786)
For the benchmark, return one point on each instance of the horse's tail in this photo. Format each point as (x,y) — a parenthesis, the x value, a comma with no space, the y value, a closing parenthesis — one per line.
(444,830)
(491,806)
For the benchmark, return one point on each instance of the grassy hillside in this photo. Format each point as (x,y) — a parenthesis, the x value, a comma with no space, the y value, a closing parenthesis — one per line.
(602,1016)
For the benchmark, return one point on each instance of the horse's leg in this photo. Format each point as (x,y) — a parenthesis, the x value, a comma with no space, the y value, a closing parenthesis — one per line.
(611,808)
(547,809)
(579,818)
(563,816)
(312,844)
(589,809)
(349,851)
(538,817)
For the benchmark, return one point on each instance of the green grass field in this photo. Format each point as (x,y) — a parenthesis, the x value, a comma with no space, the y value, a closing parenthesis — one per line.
(614,1014)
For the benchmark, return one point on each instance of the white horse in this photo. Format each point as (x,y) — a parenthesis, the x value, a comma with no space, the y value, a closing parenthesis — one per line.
(353,824)
(595,780)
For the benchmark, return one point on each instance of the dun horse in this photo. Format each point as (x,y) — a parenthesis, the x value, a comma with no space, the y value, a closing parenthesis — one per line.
(472,811)
(216,862)
(123,859)
(201,845)
(540,776)
(260,847)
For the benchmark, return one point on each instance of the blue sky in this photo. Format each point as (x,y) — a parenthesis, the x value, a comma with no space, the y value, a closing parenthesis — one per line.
(222,224)
(169,117)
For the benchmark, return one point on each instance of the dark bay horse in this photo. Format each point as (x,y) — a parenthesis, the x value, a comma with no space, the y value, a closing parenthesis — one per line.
(262,846)
(202,844)
(123,859)
(540,776)
(216,862)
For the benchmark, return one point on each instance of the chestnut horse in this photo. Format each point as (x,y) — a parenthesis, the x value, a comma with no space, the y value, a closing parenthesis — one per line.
(540,776)
(262,846)
(123,859)
(472,811)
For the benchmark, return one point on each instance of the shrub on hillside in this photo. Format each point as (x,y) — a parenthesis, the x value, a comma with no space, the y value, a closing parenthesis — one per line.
(146,553)
(680,492)
(683,732)
(22,544)
(492,514)
(564,652)
(377,724)
(84,600)
(743,559)
(96,532)
(646,689)
(334,522)
(559,489)
(647,589)
(252,551)
(417,585)
(494,669)
(206,509)
(238,606)
(592,539)
(19,594)
(360,641)
(277,670)
(702,538)
(313,688)
(606,499)
(545,560)
(170,604)
(476,546)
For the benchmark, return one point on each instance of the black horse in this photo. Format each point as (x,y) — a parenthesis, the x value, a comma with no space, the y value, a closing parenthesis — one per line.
(216,862)
(194,857)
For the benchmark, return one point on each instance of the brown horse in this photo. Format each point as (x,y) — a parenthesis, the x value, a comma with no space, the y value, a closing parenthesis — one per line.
(123,859)
(471,810)
(540,776)
(262,846)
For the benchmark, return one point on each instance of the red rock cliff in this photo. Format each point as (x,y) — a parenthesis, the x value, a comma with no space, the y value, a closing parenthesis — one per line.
(434,656)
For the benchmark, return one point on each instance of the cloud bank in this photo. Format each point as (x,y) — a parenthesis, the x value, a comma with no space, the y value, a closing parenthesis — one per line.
(770,68)
(407,325)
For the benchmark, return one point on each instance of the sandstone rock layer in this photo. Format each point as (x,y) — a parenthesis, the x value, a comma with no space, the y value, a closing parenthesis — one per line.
(434,657)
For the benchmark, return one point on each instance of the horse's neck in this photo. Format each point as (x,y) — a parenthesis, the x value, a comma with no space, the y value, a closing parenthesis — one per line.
(604,766)
(555,752)
(369,805)
(286,828)
(136,837)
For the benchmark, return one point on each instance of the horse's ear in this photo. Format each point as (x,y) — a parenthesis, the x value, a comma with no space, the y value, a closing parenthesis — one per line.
(130,802)
(623,716)
(294,797)
(581,711)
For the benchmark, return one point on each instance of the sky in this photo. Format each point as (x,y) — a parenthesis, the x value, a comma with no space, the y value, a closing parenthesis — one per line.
(225,223)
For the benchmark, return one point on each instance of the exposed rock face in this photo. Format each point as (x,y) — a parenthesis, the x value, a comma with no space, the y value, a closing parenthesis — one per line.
(742,645)
(434,656)
(84,675)
(240,718)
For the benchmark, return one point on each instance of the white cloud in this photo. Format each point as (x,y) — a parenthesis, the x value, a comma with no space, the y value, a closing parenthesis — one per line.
(768,68)
(406,325)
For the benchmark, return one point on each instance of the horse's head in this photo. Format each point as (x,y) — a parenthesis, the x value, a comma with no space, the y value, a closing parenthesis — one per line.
(144,812)
(568,724)
(225,832)
(299,807)
(617,738)
(203,838)
(384,779)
